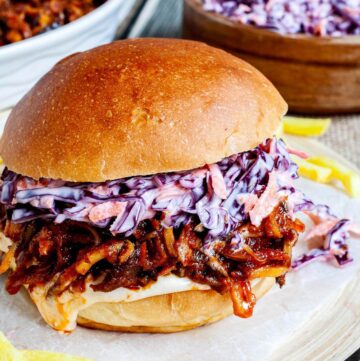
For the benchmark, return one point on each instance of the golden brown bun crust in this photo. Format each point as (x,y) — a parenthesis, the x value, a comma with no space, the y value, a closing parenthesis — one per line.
(137,107)
(167,313)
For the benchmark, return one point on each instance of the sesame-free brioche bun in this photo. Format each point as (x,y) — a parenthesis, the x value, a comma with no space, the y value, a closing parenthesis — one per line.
(136,107)
(172,312)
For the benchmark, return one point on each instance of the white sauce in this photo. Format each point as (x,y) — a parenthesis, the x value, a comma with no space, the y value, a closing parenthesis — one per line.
(5,243)
(61,312)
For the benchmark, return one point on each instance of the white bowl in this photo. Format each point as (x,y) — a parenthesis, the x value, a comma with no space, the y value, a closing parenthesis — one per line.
(23,63)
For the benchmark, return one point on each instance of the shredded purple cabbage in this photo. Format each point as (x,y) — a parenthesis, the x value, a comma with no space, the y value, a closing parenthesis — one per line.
(335,248)
(179,196)
(312,17)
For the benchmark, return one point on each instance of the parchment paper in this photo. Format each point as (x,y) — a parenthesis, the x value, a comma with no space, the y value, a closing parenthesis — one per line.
(277,315)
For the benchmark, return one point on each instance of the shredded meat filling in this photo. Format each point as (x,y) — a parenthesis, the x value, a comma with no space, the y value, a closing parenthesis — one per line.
(68,255)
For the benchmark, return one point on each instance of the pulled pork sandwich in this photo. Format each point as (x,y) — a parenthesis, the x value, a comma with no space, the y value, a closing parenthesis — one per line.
(144,190)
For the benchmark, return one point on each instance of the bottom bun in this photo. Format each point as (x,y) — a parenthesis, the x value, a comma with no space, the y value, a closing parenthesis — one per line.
(172,312)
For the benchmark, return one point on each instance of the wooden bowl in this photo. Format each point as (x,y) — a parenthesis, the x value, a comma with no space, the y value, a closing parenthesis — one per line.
(317,75)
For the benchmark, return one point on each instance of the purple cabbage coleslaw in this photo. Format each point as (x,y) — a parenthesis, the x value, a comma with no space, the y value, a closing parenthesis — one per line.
(334,247)
(312,17)
(328,237)
(217,194)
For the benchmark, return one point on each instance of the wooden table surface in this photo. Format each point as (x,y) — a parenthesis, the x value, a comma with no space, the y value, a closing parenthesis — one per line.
(163,18)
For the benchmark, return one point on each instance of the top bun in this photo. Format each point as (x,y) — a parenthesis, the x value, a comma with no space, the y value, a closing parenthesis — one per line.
(137,107)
